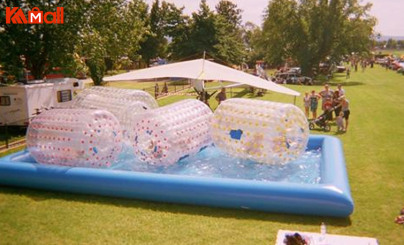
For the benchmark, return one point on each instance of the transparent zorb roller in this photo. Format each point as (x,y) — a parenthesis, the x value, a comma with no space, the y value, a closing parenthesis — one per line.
(168,134)
(127,95)
(263,131)
(75,137)
(123,109)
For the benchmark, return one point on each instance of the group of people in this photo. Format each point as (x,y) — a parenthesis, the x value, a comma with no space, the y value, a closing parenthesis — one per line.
(204,96)
(331,101)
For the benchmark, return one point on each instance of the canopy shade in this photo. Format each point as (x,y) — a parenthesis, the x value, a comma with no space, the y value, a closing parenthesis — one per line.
(202,69)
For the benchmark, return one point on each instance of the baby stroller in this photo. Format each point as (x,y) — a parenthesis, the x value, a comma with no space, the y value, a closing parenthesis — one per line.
(322,120)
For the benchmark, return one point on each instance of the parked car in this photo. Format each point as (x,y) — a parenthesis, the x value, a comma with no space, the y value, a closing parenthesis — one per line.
(395,65)
(341,69)
(381,61)
(295,70)
(292,78)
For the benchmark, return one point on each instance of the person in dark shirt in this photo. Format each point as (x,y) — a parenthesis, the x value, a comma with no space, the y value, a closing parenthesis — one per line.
(204,96)
(314,103)
(220,97)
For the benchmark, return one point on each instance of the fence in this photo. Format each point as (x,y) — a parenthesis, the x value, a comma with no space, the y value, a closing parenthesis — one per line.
(160,89)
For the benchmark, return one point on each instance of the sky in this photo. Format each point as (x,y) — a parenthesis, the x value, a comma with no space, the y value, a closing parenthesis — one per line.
(389,13)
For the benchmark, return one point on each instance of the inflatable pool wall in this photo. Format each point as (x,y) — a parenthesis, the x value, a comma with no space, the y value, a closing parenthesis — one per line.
(329,198)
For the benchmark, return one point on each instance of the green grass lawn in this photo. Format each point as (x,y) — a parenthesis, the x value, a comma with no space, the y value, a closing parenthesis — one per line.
(375,167)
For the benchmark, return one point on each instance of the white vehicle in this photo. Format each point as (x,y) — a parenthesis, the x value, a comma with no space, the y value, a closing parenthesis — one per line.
(20,103)
(295,70)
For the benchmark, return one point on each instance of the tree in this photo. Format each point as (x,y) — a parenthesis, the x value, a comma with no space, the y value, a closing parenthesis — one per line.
(400,44)
(95,52)
(39,47)
(154,43)
(230,46)
(96,30)
(218,34)
(114,29)
(251,36)
(277,39)
(176,28)
(168,27)
(311,31)
(203,31)
(229,12)
(391,43)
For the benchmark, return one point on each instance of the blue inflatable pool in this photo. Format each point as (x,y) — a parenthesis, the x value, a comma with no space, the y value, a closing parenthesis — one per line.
(331,197)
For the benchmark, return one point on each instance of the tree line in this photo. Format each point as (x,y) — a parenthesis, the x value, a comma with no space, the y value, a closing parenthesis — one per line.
(103,35)
(389,44)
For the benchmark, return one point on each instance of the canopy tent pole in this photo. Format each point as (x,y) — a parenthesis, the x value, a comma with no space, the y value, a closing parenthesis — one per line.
(203,62)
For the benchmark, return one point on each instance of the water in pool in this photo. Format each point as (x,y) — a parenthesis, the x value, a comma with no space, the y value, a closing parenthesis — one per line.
(211,162)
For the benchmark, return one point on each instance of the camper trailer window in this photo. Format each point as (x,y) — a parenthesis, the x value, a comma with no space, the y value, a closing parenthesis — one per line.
(5,101)
(64,95)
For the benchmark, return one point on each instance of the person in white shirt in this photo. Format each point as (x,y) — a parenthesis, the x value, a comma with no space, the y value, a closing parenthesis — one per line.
(326,96)
(341,91)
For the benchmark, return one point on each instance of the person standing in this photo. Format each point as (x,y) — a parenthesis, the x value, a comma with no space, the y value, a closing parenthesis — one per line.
(156,91)
(336,103)
(326,96)
(341,91)
(346,111)
(204,96)
(314,103)
(340,121)
(165,88)
(220,97)
(306,102)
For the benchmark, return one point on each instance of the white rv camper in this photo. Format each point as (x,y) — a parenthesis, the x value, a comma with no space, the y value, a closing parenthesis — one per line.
(19,103)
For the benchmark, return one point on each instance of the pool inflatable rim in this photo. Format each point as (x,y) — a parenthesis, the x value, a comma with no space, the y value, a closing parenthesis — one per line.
(331,197)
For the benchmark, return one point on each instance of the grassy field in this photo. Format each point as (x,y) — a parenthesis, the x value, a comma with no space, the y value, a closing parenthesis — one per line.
(375,167)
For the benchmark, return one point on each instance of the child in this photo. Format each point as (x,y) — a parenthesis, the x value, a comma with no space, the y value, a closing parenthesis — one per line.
(307,103)
(314,103)
(340,121)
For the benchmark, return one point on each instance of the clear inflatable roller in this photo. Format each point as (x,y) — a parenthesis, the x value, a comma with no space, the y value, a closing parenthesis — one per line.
(75,137)
(263,131)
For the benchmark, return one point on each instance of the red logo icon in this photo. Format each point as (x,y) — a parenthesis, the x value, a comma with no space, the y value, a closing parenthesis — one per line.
(18,18)
(35,16)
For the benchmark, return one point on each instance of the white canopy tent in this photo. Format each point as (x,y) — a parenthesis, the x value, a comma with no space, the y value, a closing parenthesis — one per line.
(202,69)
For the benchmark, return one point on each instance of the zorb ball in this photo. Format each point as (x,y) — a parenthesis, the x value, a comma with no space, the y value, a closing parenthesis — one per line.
(122,108)
(263,131)
(75,137)
(127,95)
(168,134)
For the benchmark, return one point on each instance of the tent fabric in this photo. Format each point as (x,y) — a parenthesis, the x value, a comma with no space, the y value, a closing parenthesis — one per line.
(202,69)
